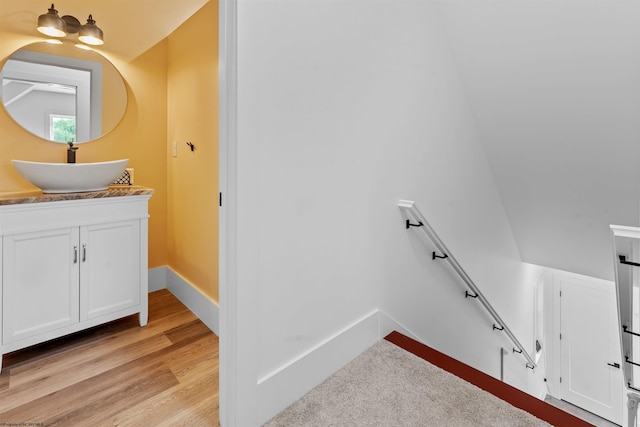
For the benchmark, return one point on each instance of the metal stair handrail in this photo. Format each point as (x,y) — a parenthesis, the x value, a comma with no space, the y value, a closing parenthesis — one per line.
(412,210)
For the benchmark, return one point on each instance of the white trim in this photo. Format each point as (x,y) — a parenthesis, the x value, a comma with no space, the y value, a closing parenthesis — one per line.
(238,330)
(625,231)
(388,324)
(281,387)
(200,305)
(321,344)
(157,278)
(206,310)
(293,379)
(538,317)
(553,370)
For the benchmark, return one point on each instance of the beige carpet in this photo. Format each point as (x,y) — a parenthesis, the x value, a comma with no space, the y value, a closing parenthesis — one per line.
(388,386)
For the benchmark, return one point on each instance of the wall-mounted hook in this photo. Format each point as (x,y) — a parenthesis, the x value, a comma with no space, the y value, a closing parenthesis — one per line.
(434,256)
(499,328)
(468,295)
(408,224)
(193,147)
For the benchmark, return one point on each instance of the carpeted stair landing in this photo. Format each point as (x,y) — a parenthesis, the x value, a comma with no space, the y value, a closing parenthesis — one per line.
(390,386)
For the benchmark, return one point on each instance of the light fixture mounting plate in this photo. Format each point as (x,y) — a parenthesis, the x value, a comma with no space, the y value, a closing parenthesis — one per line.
(72,25)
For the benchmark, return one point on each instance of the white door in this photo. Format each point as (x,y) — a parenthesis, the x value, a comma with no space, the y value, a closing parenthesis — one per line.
(109,268)
(591,377)
(39,282)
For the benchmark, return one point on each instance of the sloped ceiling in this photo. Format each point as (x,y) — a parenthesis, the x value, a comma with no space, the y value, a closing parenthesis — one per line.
(130,27)
(555,88)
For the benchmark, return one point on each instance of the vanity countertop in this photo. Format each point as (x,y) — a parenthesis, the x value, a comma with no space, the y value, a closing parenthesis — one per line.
(36,196)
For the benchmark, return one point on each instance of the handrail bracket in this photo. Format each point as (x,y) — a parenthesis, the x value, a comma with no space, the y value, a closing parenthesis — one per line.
(473,292)
(408,224)
(434,256)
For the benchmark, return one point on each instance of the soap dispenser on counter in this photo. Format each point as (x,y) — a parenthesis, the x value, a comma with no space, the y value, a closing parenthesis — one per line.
(71,153)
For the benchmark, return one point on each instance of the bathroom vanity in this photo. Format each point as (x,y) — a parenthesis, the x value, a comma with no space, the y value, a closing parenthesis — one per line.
(71,261)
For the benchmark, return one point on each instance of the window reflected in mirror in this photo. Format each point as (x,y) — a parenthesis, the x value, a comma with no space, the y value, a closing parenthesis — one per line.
(62,128)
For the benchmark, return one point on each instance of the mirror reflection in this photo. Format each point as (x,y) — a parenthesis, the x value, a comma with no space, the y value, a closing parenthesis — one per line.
(61,93)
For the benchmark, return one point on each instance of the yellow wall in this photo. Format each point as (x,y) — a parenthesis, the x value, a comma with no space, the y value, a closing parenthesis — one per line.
(172,96)
(192,208)
(140,137)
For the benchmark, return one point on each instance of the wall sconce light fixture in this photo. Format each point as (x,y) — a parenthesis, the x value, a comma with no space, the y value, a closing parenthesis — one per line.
(53,25)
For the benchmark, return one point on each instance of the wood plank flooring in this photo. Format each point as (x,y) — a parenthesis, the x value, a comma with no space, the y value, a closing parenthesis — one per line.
(118,374)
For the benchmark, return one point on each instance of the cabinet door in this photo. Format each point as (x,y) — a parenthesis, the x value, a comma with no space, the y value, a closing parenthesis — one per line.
(40,282)
(109,268)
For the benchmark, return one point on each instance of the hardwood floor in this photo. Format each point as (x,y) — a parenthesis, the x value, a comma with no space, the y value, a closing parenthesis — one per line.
(118,374)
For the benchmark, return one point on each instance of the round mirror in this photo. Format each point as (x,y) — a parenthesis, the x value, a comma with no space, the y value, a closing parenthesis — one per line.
(61,93)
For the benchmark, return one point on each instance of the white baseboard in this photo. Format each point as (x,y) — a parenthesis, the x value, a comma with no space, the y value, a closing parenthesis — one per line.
(284,385)
(281,387)
(157,278)
(200,305)
(388,324)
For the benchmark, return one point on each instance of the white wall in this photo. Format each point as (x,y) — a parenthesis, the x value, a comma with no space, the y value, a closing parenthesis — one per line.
(343,109)
(33,110)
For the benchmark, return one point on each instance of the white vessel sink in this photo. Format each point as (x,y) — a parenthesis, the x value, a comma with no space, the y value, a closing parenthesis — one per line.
(71,177)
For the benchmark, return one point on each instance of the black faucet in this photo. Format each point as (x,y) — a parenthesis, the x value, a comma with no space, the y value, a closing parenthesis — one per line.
(71,153)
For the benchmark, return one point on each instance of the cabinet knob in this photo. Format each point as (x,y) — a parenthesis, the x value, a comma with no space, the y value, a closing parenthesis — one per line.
(84,252)
(75,254)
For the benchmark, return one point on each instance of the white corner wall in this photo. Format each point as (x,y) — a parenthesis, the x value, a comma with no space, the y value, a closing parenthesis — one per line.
(343,108)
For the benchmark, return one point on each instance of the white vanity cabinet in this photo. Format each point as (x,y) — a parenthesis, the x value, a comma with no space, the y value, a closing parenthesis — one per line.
(109,268)
(70,265)
(40,283)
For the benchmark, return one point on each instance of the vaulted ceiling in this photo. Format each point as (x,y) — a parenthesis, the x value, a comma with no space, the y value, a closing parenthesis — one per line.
(555,89)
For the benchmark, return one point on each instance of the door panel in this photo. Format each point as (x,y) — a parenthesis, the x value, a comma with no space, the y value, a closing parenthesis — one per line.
(110,255)
(589,347)
(40,282)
